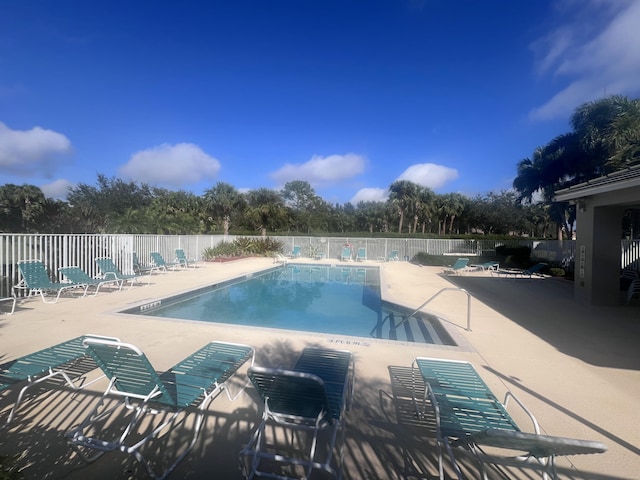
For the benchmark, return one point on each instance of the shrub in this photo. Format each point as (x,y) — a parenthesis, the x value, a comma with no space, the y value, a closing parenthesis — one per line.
(243,246)
(557,272)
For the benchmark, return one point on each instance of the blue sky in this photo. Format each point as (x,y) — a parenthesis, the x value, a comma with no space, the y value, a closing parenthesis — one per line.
(349,95)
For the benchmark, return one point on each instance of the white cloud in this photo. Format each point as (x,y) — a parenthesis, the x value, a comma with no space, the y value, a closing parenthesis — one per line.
(32,152)
(322,170)
(57,189)
(595,62)
(429,175)
(171,165)
(370,195)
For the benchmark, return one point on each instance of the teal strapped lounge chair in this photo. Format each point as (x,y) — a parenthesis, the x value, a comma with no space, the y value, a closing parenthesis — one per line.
(162,265)
(460,266)
(191,384)
(393,256)
(35,278)
(79,276)
(184,261)
(312,397)
(486,266)
(468,415)
(362,254)
(140,268)
(109,271)
(346,254)
(57,361)
(519,272)
(296,252)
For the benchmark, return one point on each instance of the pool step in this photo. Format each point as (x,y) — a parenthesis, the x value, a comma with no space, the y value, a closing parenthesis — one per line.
(415,330)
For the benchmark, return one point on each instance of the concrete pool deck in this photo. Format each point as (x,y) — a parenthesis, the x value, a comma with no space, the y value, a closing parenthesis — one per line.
(577,368)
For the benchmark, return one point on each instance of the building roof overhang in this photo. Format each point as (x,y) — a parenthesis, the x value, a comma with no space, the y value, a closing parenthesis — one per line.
(614,182)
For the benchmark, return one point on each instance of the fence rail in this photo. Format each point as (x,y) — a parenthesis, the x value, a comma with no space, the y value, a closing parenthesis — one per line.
(82,249)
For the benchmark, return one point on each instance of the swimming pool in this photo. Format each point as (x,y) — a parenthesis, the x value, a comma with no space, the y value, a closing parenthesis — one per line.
(342,300)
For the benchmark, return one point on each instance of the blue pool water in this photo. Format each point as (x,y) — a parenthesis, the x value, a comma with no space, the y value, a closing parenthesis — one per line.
(323,299)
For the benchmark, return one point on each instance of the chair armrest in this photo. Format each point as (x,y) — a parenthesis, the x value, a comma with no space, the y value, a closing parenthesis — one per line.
(509,395)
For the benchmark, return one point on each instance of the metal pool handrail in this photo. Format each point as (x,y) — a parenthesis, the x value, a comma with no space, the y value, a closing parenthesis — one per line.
(406,319)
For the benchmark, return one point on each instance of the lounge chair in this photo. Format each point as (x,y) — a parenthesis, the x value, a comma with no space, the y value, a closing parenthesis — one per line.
(140,268)
(312,397)
(296,252)
(633,290)
(57,361)
(35,278)
(162,265)
(469,416)
(393,256)
(79,276)
(12,299)
(109,270)
(280,258)
(460,266)
(519,272)
(486,266)
(362,254)
(346,254)
(183,261)
(192,383)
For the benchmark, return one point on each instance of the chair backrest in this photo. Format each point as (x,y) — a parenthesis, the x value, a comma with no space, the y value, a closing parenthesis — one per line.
(296,250)
(75,274)
(536,268)
(133,374)
(393,255)
(157,259)
(460,263)
(34,273)
(291,394)
(466,403)
(106,265)
(346,251)
(180,255)
(362,252)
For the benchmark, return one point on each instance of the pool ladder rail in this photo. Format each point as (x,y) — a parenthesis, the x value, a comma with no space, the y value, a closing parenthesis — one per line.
(405,319)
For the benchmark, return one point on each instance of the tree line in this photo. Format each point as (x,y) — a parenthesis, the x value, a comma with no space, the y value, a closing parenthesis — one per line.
(605,137)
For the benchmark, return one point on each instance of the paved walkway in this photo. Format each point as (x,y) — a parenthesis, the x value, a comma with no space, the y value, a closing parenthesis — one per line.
(577,368)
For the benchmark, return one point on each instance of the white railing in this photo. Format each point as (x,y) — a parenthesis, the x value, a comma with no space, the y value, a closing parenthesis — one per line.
(82,249)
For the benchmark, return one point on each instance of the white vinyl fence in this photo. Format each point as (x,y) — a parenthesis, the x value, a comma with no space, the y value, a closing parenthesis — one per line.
(82,249)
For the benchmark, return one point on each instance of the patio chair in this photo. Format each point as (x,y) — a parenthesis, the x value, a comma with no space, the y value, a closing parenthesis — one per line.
(346,254)
(109,270)
(634,290)
(162,265)
(35,278)
(460,266)
(279,258)
(60,360)
(486,266)
(519,272)
(313,398)
(79,276)
(362,254)
(469,416)
(183,261)
(140,268)
(191,384)
(296,252)
(394,256)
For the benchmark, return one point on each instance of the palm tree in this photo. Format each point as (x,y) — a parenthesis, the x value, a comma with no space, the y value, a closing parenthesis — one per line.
(266,210)
(403,195)
(224,201)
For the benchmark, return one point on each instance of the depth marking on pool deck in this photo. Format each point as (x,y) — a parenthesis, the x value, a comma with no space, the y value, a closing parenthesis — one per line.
(341,341)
